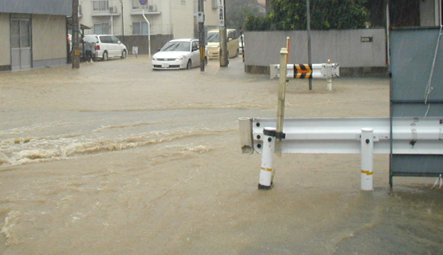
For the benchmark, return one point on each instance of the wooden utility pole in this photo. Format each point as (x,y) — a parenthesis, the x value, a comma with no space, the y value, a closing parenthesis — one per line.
(75,36)
(201,33)
(308,15)
(222,35)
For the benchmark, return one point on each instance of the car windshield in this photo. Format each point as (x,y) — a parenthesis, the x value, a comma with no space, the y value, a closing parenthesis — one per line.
(213,37)
(176,46)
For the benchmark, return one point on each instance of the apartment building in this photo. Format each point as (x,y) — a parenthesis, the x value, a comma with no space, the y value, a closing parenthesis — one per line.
(126,17)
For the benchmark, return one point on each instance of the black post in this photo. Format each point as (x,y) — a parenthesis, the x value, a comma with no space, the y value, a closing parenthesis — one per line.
(123,21)
(308,14)
(75,36)
(201,34)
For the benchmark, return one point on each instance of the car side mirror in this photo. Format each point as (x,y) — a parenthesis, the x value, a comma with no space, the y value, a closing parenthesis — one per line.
(230,39)
(119,42)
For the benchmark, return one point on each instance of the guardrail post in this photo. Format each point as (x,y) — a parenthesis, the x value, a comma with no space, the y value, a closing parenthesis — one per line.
(267,172)
(281,98)
(328,70)
(367,157)
(329,84)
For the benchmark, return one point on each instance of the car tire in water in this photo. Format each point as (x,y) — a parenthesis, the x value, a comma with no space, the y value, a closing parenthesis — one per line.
(124,54)
(189,65)
(105,56)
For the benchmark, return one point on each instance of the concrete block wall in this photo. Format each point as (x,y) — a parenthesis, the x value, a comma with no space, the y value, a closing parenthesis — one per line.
(360,52)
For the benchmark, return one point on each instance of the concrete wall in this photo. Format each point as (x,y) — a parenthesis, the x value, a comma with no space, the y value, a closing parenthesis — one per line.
(341,46)
(141,41)
(5,46)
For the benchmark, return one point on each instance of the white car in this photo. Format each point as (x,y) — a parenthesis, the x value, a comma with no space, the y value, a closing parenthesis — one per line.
(107,46)
(178,54)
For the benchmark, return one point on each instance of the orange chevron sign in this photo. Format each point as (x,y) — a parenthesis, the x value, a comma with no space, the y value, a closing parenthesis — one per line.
(302,71)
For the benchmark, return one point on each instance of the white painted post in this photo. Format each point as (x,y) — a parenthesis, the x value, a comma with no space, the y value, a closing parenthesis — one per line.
(266,172)
(367,157)
(329,83)
(329,75)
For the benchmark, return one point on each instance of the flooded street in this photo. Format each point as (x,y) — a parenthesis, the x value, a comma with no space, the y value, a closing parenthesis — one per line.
(114,158)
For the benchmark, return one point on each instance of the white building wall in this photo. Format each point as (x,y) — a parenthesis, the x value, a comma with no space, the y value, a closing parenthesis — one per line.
(211,14)
(182,16)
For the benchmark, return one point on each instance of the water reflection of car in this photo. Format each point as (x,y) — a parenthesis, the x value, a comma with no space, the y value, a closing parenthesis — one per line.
(214,43)
(178,54)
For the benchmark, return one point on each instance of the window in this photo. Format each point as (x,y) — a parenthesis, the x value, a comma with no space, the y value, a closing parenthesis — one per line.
(100,5)
(232,35)
(114,39)
(106,39)
(215,4)
(102,28)
(194,45)
(20,31)
(139,28)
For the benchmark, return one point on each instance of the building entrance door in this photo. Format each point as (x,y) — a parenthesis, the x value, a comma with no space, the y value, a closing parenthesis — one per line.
(20,43)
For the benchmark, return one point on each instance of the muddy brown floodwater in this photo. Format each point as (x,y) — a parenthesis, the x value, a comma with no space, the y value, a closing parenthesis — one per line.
(115,158)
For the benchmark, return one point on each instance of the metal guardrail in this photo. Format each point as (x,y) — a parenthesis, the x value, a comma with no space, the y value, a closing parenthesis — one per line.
(342,135)
(365,136)
(306,71)
(411,141)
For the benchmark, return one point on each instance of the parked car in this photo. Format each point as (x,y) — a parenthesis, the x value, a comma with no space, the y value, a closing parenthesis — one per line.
(107,46)
(214,43)
(241,43)
(178,54)
(69,38)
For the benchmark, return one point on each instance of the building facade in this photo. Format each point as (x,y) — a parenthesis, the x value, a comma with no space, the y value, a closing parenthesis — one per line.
(126,17)
(33,35)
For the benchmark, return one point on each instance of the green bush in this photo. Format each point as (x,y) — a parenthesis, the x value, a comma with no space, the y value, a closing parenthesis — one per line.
(325,14)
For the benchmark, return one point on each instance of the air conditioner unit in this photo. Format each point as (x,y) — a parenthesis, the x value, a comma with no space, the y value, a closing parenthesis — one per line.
(152,8)
(113,9)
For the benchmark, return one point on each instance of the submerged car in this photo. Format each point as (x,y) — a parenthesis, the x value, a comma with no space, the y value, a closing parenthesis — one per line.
(178,54)
(214,43)
(107,46)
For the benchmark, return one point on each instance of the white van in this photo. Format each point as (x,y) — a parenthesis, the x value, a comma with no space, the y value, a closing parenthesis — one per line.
(107,46)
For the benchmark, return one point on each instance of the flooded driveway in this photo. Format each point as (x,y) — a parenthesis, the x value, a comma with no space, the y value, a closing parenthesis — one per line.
(114,158)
